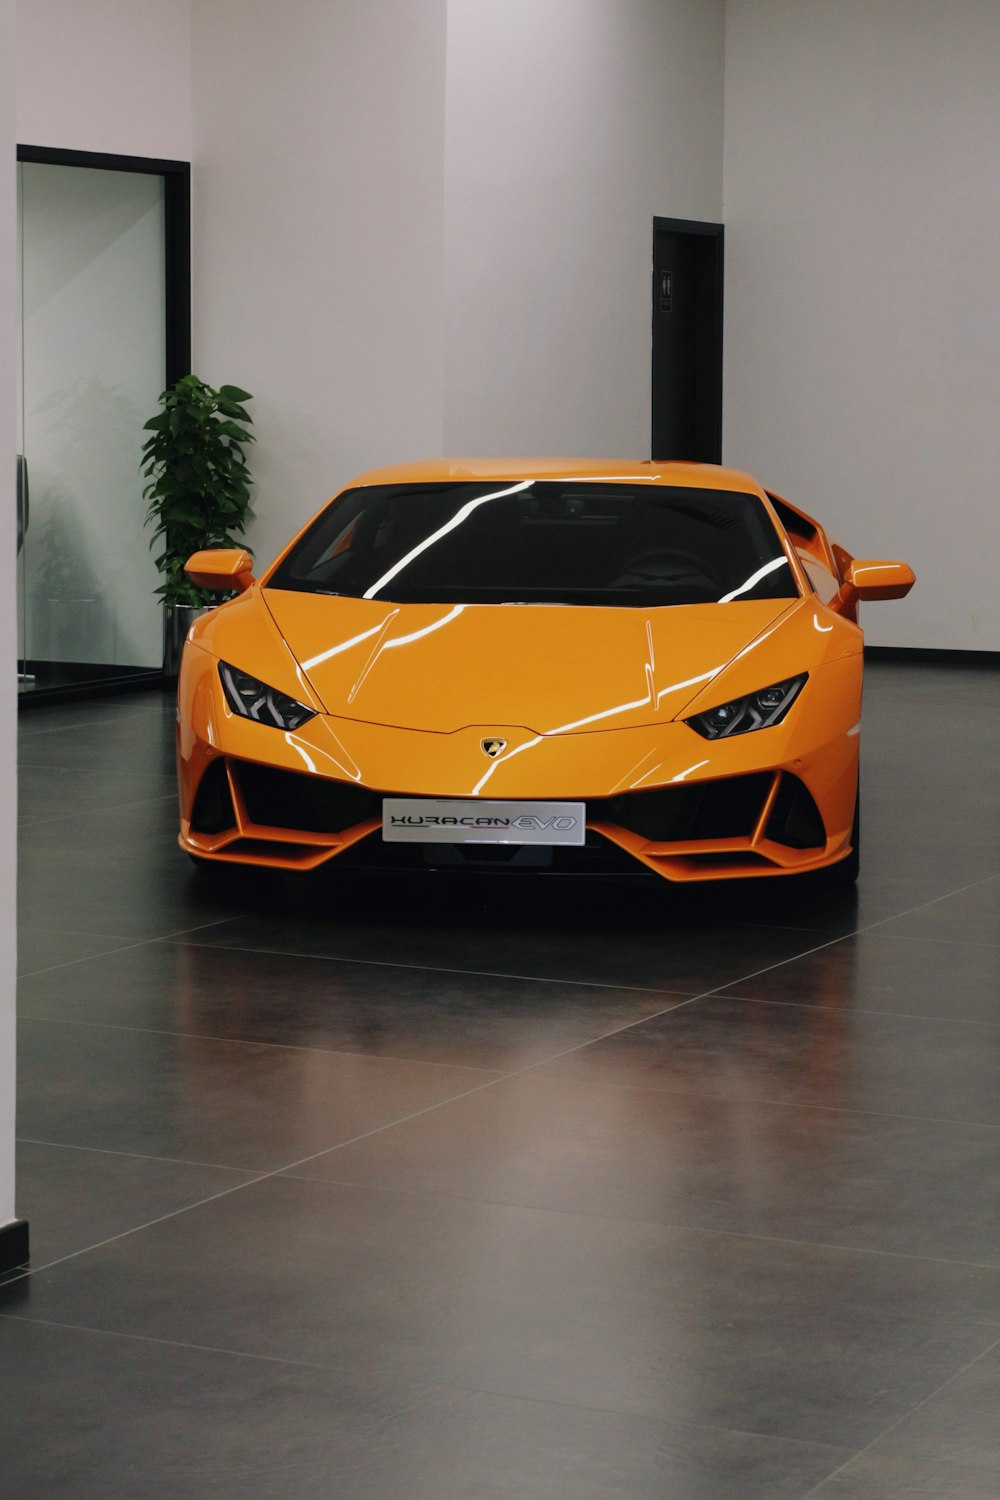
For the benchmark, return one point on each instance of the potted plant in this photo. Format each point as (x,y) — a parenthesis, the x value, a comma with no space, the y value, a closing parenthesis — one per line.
(198,491)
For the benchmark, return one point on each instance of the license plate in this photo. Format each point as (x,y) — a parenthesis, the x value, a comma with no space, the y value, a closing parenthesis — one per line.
(425,820)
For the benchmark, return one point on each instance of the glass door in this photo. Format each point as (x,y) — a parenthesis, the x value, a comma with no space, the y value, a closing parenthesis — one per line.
(93,359)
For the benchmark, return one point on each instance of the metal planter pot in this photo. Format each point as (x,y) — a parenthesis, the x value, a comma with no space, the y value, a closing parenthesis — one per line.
(177,621)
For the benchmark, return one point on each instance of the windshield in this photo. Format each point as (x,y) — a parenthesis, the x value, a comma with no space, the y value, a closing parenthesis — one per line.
(541,542)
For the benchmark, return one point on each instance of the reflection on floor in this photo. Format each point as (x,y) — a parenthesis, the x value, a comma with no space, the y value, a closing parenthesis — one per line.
(418,1189)
(38,681)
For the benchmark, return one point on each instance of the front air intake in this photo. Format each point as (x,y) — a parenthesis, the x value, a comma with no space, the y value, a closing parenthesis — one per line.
(312,804)
(213,810)
(724,809)
(795,819)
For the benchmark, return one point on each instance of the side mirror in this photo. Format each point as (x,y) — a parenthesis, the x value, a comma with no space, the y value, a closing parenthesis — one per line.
(871,579)
(222,568)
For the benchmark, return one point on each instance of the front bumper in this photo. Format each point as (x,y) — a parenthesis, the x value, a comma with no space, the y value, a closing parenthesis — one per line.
(776,802)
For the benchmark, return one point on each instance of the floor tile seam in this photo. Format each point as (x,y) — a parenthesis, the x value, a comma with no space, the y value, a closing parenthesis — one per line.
(125,1234)
(899,1421)
(70,727)
(491,1083)
(541,1062)
(914,937)
(122,708)
(442,1383)
(832,1247)
(556,1057)
(126,945)
(173,1161)
(95,812)
(149,786)
(273,1173)
(983,943)
(118,775)
(465,1094)
(71,767)
(643,989)
(858,1010)
(910,911)
(144,701)
(947,942)
(676,1423)
(90,761)
(167,937)
(689,1000)
(495,974)
(199,1036)
(381,963)
(760,1099)
(831,943)
(923,905)
(142,1338)
(260,1177)
(42,931)
(288,1171)
(438,1382)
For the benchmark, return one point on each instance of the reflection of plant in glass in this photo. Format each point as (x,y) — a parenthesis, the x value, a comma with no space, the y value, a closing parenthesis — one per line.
(78,544)
(59,543)
(199,490)
(69,615)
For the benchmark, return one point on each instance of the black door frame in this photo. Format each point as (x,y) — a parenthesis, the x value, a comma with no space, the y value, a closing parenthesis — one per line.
(176,236)
(177,328)
(715,233)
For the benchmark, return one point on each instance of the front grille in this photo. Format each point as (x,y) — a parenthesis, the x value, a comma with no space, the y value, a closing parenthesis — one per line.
(598,856)
(312,804)
(726,809)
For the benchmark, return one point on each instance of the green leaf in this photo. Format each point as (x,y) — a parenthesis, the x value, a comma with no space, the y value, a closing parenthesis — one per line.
(198,490)
(230,430)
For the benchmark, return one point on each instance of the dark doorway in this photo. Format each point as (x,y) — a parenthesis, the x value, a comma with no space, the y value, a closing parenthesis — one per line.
(687,340)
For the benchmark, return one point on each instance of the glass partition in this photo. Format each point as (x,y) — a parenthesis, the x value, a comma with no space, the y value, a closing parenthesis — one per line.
(92,363)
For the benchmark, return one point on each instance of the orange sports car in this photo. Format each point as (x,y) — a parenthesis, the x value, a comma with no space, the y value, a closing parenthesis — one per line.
(534,663)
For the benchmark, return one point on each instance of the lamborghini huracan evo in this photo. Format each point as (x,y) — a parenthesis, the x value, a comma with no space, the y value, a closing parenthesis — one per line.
(541,663)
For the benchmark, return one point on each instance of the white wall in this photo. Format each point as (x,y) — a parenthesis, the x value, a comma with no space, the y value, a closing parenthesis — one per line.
(570,125)
(105,75)
(862,206)
(8,632)
(424,225)
(329,171)
(319,150)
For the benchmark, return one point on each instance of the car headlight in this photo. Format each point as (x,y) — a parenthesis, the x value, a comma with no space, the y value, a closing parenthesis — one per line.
(757,710)
(253,699)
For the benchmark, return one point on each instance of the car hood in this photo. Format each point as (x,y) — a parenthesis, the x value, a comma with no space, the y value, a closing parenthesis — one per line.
(550,669)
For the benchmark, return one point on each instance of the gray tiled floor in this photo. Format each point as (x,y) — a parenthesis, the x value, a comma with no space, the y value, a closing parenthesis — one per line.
(406,1188)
